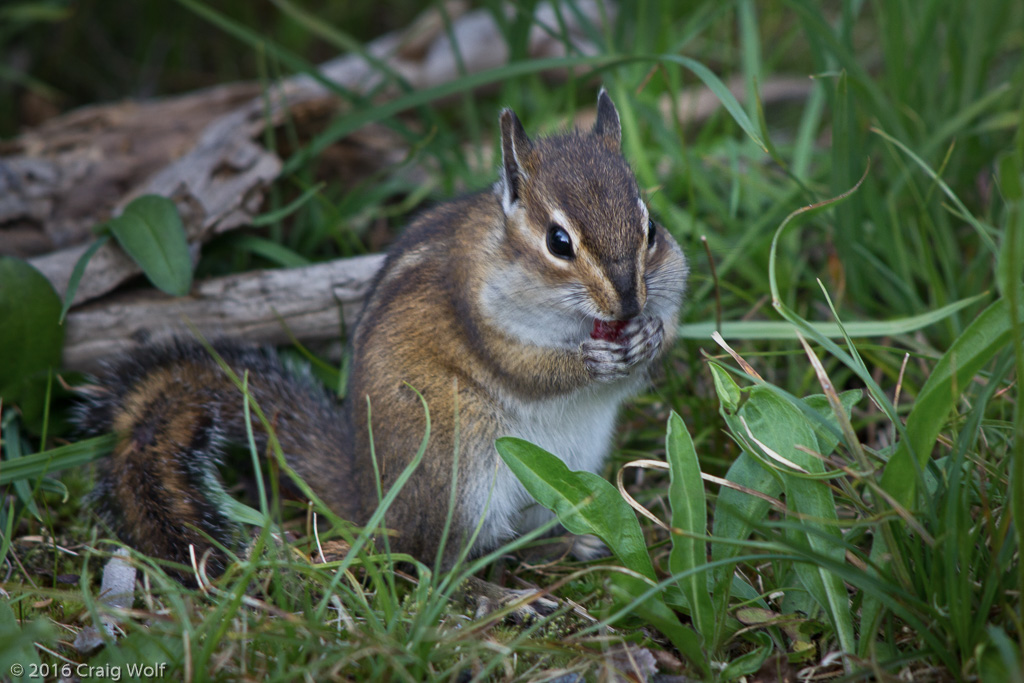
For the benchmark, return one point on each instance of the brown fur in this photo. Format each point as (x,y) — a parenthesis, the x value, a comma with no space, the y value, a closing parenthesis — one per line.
(428,326)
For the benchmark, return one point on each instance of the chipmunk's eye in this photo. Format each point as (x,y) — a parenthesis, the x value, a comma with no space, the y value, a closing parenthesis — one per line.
(559,242)
(651,232)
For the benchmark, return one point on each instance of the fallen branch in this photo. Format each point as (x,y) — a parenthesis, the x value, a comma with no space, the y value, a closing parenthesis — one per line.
(220,176)
(261,306)
(204,150)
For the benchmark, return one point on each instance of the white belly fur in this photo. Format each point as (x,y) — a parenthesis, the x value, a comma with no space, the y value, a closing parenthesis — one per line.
(578,428)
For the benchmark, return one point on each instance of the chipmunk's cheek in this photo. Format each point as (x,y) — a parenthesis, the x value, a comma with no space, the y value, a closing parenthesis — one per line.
(608,330)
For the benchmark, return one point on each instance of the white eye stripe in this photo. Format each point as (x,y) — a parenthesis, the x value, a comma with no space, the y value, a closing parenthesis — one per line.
(643,212)
(559,217)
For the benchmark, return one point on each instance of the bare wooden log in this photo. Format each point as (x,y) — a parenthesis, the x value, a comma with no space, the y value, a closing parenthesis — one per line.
(215,169)
(307,299)
(258,306)
(218,181)
(67,175)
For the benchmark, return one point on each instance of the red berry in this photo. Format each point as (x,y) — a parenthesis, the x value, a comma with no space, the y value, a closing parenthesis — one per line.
(608,330)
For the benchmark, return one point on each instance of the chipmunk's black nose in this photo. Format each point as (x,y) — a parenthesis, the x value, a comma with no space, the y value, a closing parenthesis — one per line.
(629,306)
(624,283)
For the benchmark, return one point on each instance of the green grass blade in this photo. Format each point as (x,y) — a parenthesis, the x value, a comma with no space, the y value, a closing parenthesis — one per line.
(78,271)
(56,459)
(990,332)
(270,250)
(347,124)
(984,231)
(1010,268)
(818,27)
(587,504)
(278,215)
(722,92)
(663,619)
(10,435)
(775,329)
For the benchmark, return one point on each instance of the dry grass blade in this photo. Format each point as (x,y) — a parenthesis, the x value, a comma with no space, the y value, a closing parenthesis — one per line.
(661,465)
(633,503)
(747,367)
(714,281)
(852,442)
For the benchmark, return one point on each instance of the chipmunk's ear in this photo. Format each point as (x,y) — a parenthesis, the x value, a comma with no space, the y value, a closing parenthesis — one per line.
(515,149)
(607,125)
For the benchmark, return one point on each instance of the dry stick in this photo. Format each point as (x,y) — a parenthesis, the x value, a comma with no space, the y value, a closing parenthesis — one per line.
(714,279)
(259,306)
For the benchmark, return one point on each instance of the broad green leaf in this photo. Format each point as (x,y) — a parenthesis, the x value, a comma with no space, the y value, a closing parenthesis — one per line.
(662,618)
(19,644)
(750,663)
(587,504)
(736,512)
(584,502)
(828,440)
(999,659)
(726,388)
(31,339)
(782,427)
(625,589)
(150,231)
(689,525)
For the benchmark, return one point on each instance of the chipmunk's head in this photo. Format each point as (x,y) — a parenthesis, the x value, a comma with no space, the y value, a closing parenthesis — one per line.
(576,224)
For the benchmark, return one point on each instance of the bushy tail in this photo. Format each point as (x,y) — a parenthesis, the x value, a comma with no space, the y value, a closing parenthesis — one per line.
(175,408)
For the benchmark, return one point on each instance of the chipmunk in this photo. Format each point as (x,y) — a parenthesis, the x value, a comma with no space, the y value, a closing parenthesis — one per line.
(532,310)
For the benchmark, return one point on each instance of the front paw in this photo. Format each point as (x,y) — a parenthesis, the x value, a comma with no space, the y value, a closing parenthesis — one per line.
(523,606)
(637,344)
(588,547)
